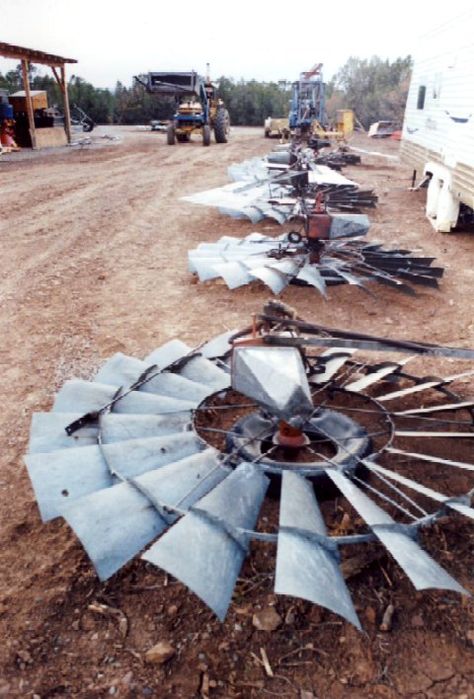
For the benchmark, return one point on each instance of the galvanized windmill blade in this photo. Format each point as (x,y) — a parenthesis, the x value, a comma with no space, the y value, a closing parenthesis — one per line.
(114,448)
(344,259)
(176,453)
(272,187)
(338,158)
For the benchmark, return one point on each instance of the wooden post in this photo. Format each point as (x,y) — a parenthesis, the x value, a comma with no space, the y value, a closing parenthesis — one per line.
(67,112)
(29,104)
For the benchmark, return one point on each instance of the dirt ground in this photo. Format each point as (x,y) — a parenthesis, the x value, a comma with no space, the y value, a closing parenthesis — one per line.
(93,261)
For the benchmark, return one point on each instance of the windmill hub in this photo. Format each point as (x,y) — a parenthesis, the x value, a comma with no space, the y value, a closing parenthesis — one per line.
(290,437)
(328,437)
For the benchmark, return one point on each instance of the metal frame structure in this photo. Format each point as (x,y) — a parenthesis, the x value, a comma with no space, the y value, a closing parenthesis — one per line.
(308,102)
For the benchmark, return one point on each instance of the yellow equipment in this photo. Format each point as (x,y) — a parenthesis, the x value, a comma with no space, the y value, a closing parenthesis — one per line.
(277,127)
(343,126)
(342,130)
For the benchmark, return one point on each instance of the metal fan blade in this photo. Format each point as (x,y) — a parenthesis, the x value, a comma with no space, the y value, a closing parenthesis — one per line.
(168,353)
(423,386)
(121,370)
(422,570)
(205,267)
(119,428)
(289,267)
(232,240)
(256,261)
(218,346)
(431,434)
(248,255)
(452,503)
(204,248)
(206,253)
(376,376)
(48,432)
(387,279)
(311,275)
(198,369)
(205,549)
(57,475)
(114,524)
(84,396)
(436,408)
(256,238)
(422,279)
(251,212)
(67,474)
(182,483)
(433,459)
(273,279)
(176,386)
(334,359)
(233,273)
(306,566)
(204,371)
(136,456)
(338,269)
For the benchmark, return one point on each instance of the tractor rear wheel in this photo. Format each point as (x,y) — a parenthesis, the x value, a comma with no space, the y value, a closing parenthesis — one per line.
(170,135)
(221,126)
(206,135)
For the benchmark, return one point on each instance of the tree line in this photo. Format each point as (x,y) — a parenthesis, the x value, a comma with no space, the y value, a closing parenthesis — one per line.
(374,88)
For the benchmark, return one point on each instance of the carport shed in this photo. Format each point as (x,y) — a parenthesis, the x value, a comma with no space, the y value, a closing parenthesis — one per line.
(56,63)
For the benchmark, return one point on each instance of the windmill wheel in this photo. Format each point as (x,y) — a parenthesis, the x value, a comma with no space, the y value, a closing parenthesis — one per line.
(178,451)
(283,260)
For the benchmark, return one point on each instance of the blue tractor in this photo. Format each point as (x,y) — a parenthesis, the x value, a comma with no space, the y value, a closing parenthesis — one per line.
(198,107)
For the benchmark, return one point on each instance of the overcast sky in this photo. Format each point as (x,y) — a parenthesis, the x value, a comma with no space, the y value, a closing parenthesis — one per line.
(260,39)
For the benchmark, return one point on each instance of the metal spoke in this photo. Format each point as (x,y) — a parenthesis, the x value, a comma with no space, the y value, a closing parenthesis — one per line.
(453,435)
(395,489)
(435,408)
(225,407)
(385,497)
(227,432)
(432,459)
(435,420)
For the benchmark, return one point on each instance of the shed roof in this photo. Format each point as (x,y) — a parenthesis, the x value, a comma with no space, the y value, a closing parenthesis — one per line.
(22,53)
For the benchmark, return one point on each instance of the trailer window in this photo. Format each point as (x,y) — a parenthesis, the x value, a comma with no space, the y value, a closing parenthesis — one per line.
(420,104)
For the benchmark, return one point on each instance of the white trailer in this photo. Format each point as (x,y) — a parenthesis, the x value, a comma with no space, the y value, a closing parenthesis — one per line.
(438,130)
